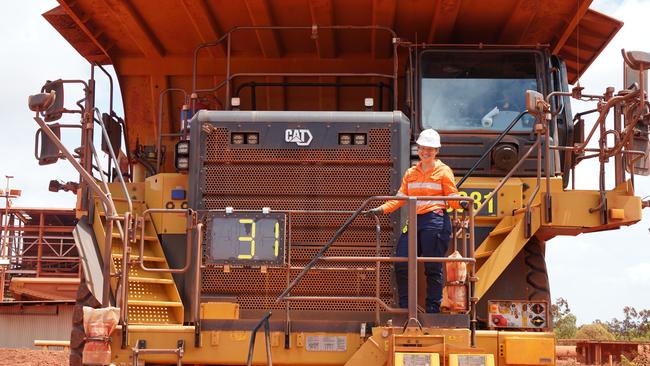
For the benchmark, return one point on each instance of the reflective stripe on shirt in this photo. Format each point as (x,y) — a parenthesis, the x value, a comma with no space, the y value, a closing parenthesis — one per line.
(430,203)
(428,185)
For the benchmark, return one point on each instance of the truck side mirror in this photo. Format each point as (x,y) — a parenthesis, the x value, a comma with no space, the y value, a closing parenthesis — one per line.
(631,78)
(114,132)
(635,66)
(640,142)
(55,111)
(534,103)
(636,59)
(49,152)
(41,102)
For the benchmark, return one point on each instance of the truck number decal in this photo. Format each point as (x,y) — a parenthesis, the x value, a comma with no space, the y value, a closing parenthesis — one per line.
(479,196)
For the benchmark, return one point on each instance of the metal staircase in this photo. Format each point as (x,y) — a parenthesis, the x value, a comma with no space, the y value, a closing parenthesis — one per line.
(500,248)
(152,297)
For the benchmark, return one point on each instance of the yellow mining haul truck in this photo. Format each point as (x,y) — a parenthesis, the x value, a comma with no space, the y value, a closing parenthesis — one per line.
(257,131)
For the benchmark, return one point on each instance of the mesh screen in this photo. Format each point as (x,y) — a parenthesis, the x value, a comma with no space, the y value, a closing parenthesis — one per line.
(303,179)
(151,314)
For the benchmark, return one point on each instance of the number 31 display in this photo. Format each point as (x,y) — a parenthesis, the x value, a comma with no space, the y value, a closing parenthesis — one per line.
(246,238)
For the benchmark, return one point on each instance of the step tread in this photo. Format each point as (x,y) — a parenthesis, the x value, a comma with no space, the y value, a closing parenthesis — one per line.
(169,304)
(135,256)
(162,281)
(501,230)
(103,214)
(480,255)
(138,236)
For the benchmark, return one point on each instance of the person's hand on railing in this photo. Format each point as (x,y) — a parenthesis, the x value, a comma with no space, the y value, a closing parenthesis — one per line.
(464,205)
(374,212)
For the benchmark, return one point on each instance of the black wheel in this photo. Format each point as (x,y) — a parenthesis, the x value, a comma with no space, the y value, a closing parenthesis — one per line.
(537,276)
(84,298)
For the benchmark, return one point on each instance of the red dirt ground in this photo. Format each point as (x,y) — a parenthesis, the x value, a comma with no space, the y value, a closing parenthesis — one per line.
(29,357)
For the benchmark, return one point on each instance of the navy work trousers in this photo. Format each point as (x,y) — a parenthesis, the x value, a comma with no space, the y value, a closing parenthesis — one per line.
(434,230)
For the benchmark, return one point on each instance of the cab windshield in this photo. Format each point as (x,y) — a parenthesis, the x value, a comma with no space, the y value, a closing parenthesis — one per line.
(476,90)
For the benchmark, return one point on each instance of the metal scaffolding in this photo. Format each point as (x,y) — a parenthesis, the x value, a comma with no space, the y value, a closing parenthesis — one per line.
(37,243)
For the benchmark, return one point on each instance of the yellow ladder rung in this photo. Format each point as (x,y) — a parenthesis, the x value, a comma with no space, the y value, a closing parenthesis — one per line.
(168,304)
(146,237)
(162,281)
(501,230)
(483,254)
(122,199)
(103,214)
(135,256)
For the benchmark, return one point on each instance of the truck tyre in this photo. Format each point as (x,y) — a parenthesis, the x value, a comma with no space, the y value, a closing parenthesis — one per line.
(537,276)
(84,298)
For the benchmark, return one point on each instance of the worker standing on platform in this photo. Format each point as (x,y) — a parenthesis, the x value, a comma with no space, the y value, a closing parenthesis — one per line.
(430,177)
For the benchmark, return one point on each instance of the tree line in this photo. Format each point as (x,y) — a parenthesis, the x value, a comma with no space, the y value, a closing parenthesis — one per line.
(635,326)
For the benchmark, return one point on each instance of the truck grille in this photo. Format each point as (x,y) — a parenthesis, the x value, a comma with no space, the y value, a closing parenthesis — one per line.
(303,179)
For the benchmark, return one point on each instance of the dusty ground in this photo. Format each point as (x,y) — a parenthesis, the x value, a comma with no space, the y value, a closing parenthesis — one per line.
(29,357)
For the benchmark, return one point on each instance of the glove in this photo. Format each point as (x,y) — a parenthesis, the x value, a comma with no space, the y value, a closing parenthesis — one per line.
(374,212)
(464,205)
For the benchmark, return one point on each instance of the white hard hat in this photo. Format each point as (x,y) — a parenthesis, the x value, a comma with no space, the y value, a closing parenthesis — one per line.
(429,138)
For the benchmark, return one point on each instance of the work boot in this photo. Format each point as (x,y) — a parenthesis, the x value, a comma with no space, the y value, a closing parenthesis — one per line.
(433,308)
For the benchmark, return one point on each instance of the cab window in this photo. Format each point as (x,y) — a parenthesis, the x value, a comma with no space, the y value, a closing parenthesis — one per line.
(476,90)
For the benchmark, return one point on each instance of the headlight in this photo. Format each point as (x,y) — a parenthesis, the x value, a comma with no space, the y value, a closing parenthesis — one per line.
(345,139)
(237,138)
(252,138)
(359,138)
(182,162)
(182,155)
(414,150)
(183,147)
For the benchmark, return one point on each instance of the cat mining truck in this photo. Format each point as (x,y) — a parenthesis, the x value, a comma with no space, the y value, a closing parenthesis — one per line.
(221,220)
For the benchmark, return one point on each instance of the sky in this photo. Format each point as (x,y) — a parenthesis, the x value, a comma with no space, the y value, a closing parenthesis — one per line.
(597,273)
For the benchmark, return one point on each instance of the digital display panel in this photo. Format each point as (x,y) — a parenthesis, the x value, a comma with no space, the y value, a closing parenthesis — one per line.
(246,238)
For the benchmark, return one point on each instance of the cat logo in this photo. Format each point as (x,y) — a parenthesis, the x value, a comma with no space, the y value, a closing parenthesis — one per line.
(301,137)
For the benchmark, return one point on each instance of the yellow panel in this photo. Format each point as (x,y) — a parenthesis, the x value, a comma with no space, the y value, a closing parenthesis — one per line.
(372,352)
(219,310)
(231,347)
(616,213)
(468,359)
(529,351)
(488,341)
(158,195)
(406,359)
(508,198)
(571,209)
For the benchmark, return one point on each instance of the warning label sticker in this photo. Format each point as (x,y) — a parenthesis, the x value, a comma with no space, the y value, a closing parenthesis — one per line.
(471,360)
(414,359)
(326,344)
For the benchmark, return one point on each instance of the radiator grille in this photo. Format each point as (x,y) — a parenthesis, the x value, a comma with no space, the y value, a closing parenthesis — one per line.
(303,179)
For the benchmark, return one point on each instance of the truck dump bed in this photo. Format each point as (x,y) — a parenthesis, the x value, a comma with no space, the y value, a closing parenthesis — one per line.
(151,44)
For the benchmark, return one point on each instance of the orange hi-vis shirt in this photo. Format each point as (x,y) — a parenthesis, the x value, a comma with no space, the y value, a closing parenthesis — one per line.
(438,181)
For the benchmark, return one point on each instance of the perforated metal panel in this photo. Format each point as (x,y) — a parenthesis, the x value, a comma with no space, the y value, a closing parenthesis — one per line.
(328,177)
(151,314)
